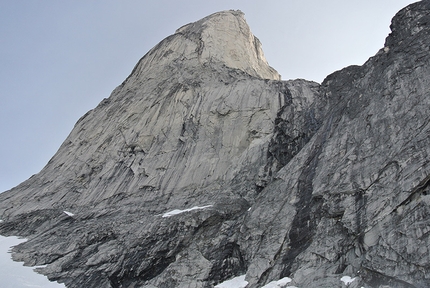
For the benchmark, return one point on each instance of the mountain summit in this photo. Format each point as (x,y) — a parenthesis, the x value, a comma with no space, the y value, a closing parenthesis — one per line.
(203,166)
(223,38)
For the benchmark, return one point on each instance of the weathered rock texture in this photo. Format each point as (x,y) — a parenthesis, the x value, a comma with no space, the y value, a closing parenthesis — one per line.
(291,178)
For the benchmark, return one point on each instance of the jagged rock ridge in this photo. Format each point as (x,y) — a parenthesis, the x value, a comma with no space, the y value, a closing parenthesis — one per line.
(274,178)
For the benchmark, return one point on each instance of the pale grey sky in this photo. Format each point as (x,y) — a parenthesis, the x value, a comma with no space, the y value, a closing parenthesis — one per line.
(59,59)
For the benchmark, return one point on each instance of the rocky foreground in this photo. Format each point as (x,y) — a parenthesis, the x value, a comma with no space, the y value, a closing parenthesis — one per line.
(203,165)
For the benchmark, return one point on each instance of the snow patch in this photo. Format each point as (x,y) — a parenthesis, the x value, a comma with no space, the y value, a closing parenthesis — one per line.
(1,221)
(69,213)
(347,280)
(177,211)
(280,283)
(14,274)
(237,282)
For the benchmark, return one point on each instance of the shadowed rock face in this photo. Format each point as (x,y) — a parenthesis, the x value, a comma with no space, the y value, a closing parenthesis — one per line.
(269,178)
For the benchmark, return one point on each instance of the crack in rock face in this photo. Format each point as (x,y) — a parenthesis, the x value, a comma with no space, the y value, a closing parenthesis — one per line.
(204,168)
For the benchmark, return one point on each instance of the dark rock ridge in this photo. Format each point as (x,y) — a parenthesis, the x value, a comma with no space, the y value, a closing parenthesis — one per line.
(273,178)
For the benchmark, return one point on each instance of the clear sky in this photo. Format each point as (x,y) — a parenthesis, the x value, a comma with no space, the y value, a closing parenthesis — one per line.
(59,59)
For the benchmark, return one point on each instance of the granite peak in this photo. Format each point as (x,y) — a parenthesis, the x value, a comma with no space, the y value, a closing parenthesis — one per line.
(203,166)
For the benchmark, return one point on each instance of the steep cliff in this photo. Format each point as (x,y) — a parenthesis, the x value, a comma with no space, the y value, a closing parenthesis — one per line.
(203,165)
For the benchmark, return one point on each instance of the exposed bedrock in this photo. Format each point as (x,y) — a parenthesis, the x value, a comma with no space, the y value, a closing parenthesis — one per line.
(203,165)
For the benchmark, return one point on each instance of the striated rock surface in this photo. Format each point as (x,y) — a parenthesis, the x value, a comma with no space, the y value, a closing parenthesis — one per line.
(203,165)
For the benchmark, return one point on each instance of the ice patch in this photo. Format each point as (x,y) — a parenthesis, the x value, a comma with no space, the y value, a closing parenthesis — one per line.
(237,282)
(1,221)
(69,213)
(347,280)
(280,283)
(176,211)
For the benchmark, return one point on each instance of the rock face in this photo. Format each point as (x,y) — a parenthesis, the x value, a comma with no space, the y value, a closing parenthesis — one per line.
(261,177)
